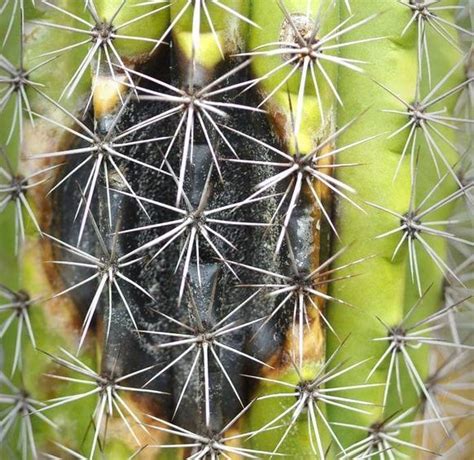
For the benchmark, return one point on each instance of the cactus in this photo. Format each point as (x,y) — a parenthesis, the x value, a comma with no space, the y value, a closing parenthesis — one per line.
(236,229)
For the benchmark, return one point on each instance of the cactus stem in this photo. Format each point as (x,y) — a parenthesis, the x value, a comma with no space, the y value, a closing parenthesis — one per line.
(17,82)
(420,118)
(447,381)
(196,221)
(260,303)
(413,227)
(305,169)
(23,409)
(107,387)
(17,5)
(215,445)
(15,191)
(202,8)
(383,439)
(405,337)
(425,13)
(107,94)
(101,37)
(304,292)
(204,340)
(18,307)
(303,48)
(309,394)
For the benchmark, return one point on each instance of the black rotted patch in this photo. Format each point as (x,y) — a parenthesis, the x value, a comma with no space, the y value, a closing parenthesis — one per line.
(214,291)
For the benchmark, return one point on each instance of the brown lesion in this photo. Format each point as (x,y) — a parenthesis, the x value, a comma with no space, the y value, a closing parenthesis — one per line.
(42,276)
(314,333)
(110,90)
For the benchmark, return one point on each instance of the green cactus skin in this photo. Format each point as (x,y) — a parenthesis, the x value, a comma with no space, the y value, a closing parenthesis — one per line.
(349,99)
(385,288)
(294,91)
(221,32)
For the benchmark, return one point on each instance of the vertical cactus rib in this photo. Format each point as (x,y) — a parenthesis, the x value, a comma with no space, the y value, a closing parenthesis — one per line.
(18,311)
(424,16)
(17,81)
(15,190)
(217,27)
(107,387)
(216,446)
(407,159)
(22,410)
(109,31)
